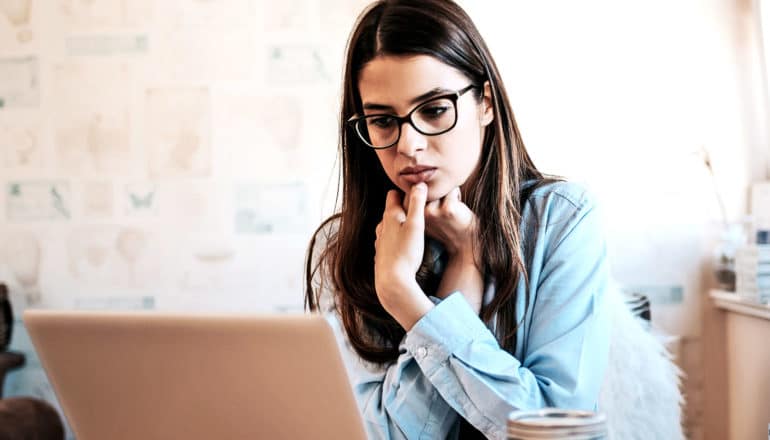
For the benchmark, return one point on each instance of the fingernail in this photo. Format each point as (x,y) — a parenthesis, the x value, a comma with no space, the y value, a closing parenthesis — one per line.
(420,187)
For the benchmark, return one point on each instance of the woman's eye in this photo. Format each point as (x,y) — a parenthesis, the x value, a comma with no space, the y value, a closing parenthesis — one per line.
(434,111)
(381,122)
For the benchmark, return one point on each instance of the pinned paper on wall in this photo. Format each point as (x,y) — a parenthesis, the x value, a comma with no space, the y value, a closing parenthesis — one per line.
(15,24)
(287,16)
(21,143)
(181,51)
(338,17)
(261,133)
(89,14)
(192,206)
(209,266)
(38,200)
(20,251)
(115,303)
(89,253)
(107,45)
(19,82)
(98,200)
(112,256)
(92,129)
(178,127)
(270,208)
(296,65)
(140,200)
(206,276)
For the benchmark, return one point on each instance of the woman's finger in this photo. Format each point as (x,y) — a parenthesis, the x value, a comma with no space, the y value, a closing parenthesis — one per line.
(433,209)
(393,207)
(417,197)
(392,200)
(450,202)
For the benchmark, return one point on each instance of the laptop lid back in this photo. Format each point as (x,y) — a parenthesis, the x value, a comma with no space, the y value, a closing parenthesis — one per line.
(164,376)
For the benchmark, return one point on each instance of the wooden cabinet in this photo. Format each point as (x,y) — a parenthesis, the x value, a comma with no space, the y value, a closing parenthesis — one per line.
(747,353)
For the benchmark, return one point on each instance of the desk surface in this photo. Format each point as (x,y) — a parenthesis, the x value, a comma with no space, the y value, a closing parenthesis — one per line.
(733,302)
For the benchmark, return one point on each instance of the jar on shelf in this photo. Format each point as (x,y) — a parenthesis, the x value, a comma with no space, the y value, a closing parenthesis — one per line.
(732,236)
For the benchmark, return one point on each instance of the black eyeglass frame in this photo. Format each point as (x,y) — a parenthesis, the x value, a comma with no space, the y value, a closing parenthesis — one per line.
(453,96)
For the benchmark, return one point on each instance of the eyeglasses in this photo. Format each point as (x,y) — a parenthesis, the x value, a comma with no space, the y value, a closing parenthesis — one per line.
(433,117)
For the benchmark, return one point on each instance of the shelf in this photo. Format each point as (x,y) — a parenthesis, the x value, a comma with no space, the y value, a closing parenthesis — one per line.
(733,302)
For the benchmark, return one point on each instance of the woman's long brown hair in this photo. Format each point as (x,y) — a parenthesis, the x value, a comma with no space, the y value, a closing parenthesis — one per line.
(441,29)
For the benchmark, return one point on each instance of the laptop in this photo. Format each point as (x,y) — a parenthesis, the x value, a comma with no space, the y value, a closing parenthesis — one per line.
(151,375)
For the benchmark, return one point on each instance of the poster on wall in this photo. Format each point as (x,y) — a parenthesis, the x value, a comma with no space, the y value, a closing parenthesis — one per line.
(108,259)
(38,200)
(92,130)
(204,41)
(296,65)
(21,142)
(178,132)
(107,45)
(16,25)
(287,16)
(77,15)
(97,199)
(260,135)
(19,82)
(140,200)
(270,208)
(20,260)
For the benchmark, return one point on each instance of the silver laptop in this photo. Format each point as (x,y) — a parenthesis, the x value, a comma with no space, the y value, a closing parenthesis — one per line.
(170,376)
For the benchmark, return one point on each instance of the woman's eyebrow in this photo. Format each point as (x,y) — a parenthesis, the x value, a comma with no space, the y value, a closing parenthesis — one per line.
(415,100)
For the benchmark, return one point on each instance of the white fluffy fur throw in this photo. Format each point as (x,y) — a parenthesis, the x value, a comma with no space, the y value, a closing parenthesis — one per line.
(640,394)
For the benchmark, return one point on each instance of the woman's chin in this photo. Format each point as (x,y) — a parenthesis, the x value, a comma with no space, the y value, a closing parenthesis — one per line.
(437,192)
(433,196)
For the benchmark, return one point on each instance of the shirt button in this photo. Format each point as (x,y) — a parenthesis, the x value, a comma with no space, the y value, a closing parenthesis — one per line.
(421,352)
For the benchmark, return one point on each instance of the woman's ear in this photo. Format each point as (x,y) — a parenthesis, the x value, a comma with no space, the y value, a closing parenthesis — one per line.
(487,109)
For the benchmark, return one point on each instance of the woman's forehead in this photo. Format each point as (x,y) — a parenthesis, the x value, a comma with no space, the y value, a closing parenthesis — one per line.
(396,81)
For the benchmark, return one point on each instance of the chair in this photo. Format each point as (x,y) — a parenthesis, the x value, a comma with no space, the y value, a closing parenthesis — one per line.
(25,418)
(641,393)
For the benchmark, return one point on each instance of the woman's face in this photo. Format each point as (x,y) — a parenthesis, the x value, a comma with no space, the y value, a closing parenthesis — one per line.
(396,85)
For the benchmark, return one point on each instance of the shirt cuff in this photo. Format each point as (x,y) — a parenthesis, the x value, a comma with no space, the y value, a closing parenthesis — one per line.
(449,326)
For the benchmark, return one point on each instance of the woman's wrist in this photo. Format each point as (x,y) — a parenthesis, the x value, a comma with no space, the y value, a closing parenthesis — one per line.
(463,274)
(464,257)
(407,304)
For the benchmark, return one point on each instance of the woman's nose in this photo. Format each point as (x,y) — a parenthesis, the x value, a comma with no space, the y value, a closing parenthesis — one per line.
(411,141)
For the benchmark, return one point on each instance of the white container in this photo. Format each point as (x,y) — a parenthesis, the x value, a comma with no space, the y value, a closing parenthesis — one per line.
(760,206)
(556,424)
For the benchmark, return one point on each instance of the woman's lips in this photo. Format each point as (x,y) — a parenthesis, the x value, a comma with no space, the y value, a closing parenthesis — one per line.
(420,176)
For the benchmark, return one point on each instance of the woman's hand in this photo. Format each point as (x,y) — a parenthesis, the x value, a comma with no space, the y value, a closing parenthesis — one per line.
(452,222)
(399,248)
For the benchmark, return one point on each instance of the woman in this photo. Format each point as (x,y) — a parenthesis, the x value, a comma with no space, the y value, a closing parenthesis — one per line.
(467,283)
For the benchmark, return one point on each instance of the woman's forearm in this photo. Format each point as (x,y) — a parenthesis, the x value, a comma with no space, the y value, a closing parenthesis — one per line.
(462,274)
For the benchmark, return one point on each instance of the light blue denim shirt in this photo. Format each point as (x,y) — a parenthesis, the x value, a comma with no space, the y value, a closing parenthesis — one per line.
(451,364)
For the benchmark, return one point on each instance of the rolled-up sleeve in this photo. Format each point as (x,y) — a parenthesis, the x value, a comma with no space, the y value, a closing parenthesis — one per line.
(451,364)
(566,347)
(397,401)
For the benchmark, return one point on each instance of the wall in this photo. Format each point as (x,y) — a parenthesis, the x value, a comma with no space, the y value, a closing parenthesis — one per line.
(177,154)
(625,96)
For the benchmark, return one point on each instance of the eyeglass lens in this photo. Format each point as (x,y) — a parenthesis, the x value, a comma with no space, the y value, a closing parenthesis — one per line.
(430,118)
